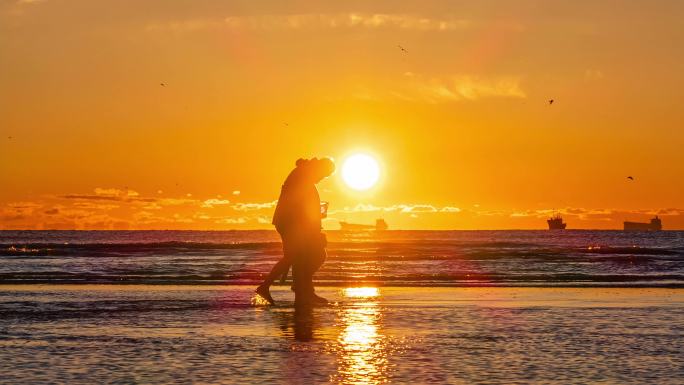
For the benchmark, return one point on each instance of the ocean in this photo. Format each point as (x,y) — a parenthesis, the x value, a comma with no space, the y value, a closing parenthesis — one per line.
(409,307)
(574,258)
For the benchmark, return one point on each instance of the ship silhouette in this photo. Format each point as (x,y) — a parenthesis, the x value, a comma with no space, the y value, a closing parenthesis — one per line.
(380,225)
(654,225)
(556,222)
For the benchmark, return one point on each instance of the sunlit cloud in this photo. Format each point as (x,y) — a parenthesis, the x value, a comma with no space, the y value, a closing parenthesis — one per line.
(419,209)
(402,207)
(107,194)
(347,20)
(593,74)
(210,203)
(110,208)
(449,209)
(458,88)
(264,220)
(253,206)
(234,221)
(52,211)
(21,206)
(95,205)
(342,20)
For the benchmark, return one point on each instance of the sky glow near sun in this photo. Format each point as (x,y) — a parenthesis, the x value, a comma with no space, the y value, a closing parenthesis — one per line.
(190,115)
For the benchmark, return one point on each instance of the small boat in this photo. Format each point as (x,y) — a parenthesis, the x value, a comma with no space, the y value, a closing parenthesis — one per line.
(380,225)
(556,222)
(654,225)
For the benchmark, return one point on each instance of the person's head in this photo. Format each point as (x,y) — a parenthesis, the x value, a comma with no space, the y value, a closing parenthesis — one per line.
(317,169)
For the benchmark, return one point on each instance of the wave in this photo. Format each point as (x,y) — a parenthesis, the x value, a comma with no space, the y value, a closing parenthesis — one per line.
(419,259)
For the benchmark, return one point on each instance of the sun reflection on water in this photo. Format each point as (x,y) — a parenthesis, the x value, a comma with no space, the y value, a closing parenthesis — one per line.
(361,292)
(362,349)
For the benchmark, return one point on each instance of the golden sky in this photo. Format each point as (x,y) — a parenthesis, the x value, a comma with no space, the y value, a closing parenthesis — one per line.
(460,121)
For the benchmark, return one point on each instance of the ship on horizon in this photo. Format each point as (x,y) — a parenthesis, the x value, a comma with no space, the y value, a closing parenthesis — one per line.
(655,225)
(380,225)
(556,222)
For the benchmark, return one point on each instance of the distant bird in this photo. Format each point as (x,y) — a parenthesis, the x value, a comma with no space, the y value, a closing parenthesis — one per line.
(162,84)
(402,49)
(630,177)
(9,137)
(550,101)
(286,124)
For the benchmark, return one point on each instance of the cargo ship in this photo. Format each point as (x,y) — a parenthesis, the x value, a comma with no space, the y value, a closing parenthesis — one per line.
(380,225)
(556,222)
(654,225)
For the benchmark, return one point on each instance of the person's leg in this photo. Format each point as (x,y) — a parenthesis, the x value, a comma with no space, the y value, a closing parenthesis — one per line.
(302,276)
(318,261)
(280,268)
(305,264)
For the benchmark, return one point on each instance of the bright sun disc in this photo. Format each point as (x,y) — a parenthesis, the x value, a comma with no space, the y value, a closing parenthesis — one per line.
(360,171)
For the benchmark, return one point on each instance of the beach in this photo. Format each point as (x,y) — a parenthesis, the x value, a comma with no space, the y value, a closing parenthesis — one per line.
(214,334)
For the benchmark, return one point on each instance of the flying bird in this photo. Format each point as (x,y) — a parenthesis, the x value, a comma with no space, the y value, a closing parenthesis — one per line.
(9,137)
(630,177)
(402,49)
(162,84)
(550,101)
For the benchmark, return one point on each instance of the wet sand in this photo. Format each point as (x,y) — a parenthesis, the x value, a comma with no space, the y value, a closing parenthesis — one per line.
(212,334)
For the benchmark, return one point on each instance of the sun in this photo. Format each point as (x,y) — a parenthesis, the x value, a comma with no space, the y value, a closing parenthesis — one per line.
(360,171)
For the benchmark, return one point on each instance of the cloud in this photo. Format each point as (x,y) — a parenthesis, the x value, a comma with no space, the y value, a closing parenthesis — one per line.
(363,208)
(22,206)
(234,221)
(254,206)
(450,209)
(95,206)
(236,192)
(593,74)
(338,21)
(402,207)
(107,194)
(419,209)
(174,201)
(458,88)
(346,20)
(264,220)
(210,203)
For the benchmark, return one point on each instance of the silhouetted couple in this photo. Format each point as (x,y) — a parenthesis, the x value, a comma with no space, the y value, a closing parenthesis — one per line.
(297,219)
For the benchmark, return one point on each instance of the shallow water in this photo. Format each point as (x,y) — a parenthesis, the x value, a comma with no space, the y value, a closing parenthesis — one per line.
(396,258)
(171,334)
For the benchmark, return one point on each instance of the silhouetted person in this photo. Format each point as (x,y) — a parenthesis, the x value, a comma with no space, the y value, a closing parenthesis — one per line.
(297,219)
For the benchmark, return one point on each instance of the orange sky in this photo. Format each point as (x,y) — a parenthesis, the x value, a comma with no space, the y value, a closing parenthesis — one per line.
(460,123)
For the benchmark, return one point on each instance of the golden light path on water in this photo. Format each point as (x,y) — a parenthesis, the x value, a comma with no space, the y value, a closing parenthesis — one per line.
(361,346)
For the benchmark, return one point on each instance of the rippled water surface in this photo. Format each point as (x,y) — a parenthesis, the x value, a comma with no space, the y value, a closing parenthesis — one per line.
(411,307)
(172,334)
(397,258)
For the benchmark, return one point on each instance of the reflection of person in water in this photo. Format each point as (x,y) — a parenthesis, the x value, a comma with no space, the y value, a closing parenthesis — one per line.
(297,219)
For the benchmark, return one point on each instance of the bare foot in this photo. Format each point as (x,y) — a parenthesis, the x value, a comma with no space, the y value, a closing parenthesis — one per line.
(264,292)
(310,300)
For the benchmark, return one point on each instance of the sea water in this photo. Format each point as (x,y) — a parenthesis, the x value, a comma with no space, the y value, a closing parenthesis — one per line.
(408,307)
(396,258)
